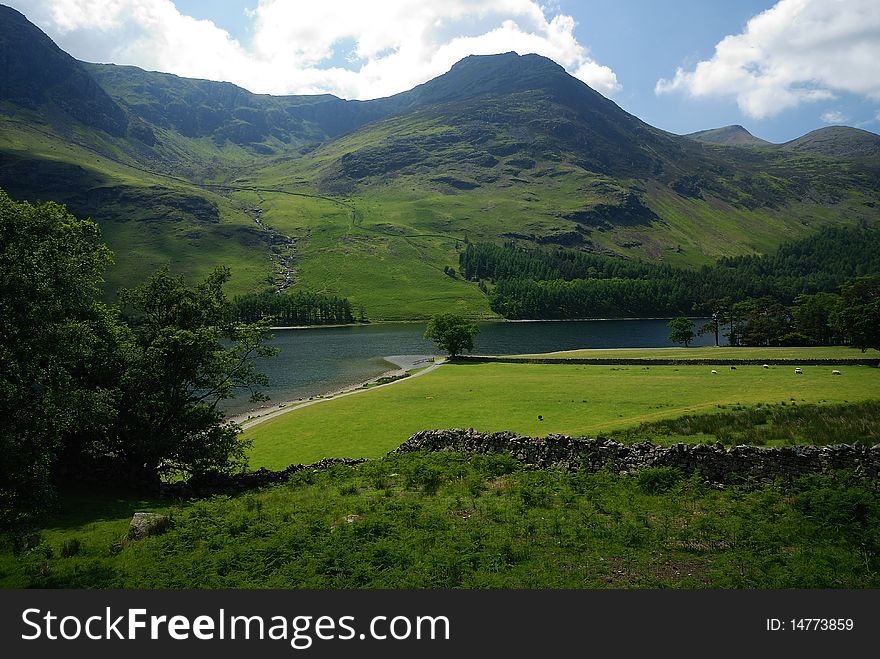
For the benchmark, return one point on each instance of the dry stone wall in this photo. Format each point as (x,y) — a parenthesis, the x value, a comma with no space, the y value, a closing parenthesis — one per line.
(715,463)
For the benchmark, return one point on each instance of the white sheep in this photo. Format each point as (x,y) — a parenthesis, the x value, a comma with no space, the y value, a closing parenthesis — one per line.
(835,372)
(766,366)
(714,371)
(798,370)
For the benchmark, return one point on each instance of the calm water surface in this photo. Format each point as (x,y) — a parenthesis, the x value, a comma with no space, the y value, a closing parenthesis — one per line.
(318,360)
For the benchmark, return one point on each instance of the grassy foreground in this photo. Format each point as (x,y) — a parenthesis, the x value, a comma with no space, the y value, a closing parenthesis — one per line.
(446,520)
(573,400)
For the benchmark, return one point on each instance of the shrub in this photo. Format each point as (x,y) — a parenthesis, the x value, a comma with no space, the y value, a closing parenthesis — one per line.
(656,480)
(70,547)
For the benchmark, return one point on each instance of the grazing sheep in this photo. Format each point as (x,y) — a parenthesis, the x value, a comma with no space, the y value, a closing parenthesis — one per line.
(714,371)
(766,366)
(835,372)
(798,371)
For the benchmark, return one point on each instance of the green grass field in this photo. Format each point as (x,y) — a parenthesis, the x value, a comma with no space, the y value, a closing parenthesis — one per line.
(448,520)
(712,352)
(571,399)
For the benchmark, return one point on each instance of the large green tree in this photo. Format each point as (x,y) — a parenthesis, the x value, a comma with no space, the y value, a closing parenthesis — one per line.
(859,315)
(59,350)
(188,356)
(681,330)
(813,317)
(452,333)
(81,390)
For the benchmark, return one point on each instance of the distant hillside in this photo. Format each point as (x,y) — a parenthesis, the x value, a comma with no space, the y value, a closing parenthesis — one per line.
(223,111)
(839,141)
(736,135)
(39,77)
(373,200)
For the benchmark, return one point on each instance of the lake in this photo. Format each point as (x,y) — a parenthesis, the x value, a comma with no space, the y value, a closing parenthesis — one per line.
(318,360)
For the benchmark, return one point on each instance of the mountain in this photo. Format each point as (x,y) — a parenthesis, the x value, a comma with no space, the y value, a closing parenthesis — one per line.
(40,77)
(226,112)
(835,141)
(373,200)
(838,141)
(735,135)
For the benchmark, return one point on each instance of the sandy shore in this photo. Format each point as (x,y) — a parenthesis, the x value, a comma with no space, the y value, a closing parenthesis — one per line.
(404,363)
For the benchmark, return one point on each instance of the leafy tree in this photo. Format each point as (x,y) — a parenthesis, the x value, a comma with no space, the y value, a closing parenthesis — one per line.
(566,283)
(859,315)
(452,333)
(188,356)
(79,388)
(682,330)
(58,350)
(720,316)
(294,308)
(760,322)
(813,316)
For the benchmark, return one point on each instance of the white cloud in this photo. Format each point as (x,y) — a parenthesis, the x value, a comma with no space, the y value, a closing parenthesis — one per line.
(305,47)
(797,51)
(834,117)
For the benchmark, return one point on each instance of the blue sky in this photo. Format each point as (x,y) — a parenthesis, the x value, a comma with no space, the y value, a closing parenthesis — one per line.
(798,66)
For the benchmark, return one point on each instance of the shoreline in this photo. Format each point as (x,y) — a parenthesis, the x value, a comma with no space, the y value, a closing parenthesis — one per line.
(256,416)
(413,321)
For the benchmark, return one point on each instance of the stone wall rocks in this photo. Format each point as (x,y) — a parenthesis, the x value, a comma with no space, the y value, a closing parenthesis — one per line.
(714,463)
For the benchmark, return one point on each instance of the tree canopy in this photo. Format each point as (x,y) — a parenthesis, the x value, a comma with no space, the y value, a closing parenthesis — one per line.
(452,333)
(859,314)
(179,371)
(84,391)
(682,330)
(57,346)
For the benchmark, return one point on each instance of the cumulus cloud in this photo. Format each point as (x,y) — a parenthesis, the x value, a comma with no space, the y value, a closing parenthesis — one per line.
(351,48)
(834,117)
(797,51)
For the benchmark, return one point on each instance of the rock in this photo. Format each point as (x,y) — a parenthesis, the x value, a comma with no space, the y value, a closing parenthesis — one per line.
(144,525)
(715,463)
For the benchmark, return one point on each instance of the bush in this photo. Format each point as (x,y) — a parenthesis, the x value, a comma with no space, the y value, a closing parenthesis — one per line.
(425,477)
(656,480)
(70,547)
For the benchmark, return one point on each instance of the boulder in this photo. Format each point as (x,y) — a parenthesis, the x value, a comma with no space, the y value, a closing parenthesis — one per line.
(144,525)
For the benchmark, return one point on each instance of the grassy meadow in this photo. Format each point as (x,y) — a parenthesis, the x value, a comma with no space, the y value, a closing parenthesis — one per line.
(450,520)
(713,352)
(569,399)
(393,269)
(446,520)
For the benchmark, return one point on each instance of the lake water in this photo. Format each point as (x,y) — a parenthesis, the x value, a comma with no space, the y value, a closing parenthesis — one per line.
(317,360)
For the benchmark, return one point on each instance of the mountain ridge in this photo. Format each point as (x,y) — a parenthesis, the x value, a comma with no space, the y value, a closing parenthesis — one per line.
(371,200)
(834,141)
(733,134)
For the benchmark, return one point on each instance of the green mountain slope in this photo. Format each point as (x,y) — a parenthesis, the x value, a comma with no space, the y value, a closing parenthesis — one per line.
(840,141)
(39,77)
(734,135)
(548,162)
(373,200)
